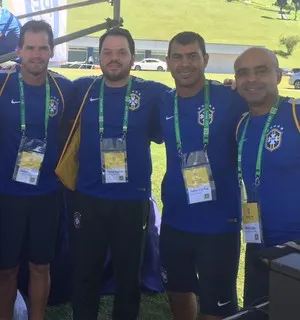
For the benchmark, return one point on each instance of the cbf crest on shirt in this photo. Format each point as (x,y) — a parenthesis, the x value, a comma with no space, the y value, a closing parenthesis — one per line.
(225,110)
(279,189)
(53,107)
(143,127)
(57,100)
(283,130)
(274,137)
(201,115)
(62,108)
(135,100)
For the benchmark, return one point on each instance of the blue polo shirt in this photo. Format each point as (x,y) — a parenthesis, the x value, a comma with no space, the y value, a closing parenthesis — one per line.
(143,127)
(62,109)
(279,190)
(223,214)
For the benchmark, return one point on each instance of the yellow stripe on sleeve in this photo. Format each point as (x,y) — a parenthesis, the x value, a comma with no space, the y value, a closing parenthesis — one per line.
(239,124)
(295,115)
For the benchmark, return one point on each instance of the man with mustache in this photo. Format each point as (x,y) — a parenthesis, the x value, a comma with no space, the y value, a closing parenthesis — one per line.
(199,240)
(34,105)
(119,119)
(268,165)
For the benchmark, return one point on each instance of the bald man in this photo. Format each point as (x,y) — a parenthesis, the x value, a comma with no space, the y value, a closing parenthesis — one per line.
(268,164)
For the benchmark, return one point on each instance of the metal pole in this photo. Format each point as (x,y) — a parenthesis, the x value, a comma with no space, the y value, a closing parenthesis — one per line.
(72,36)
(117,9)
(238,315)
(7,57)
(78,34)
(68,6)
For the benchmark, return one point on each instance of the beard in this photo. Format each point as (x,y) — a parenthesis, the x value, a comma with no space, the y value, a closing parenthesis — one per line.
(35,70)
(115,76)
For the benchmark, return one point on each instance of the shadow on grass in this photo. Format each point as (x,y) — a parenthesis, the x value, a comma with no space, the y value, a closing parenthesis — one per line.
(153,307)
(278,18)
(266,17)
(259,6)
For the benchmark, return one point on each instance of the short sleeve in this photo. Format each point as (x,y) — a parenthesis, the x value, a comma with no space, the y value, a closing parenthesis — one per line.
(71,107)
(239,107)
(72,103)
(155,126)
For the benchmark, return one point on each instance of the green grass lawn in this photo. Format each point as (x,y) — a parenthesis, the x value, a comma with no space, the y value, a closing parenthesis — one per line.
(154,307)
(218,21)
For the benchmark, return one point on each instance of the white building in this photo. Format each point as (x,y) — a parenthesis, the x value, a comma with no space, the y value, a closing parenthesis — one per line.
(221,56)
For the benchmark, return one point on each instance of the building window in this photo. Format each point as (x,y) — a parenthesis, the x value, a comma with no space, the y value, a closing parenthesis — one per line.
(139,55)
(161,55)
(77,54)
(96,56)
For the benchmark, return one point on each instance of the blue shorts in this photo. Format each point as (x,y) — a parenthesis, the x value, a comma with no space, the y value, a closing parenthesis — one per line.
(206,264)
(28,224)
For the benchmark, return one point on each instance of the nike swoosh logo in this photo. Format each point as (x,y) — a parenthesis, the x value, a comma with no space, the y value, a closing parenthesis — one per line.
(168,118)
(220,304)
(14,101)
(94,99)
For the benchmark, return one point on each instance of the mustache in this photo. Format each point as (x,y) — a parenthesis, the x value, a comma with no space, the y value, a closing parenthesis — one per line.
(185,70)
(36,60)
(253,86)
(114,62)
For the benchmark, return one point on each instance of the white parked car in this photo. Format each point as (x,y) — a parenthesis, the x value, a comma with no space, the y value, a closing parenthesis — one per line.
(295,80)
(286,72)
(79,65)
(150,64)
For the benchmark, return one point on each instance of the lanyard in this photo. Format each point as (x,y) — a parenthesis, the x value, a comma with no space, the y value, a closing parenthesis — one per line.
(206,120)
(261,144)
(22,105)
(101,107)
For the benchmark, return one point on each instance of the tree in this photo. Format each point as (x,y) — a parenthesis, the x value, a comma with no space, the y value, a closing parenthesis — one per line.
(281,3)
(297,7)
(290,42)
(284,4)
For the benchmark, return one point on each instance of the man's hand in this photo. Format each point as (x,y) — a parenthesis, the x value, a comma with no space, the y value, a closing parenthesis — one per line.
(230,83)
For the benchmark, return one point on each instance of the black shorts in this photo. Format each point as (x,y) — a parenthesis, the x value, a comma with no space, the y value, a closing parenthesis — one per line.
(28,224)
(206,264)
